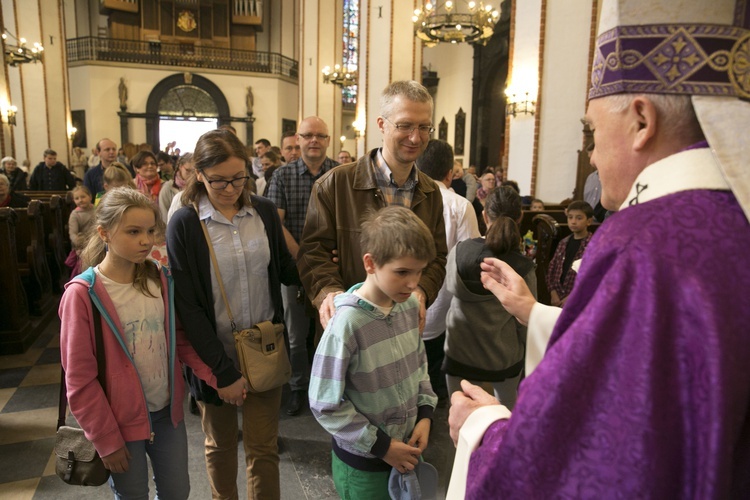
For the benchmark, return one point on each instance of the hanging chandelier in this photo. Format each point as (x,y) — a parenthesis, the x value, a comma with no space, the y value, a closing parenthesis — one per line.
(338,76)
(16,52)
(439,22)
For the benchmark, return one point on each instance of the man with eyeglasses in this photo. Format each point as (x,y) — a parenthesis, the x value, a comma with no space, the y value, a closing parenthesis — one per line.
(289,189)
(385,176)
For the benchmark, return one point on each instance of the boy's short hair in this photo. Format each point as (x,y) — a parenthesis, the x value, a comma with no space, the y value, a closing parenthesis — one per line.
(395,232)
(50,152)
(582,206)
(536,200)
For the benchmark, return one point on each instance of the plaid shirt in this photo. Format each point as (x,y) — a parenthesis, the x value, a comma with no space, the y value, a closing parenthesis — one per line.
(290,189)
(393,194)
(555,269)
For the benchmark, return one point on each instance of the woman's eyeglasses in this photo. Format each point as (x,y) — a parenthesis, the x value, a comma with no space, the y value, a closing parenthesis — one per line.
(222,184)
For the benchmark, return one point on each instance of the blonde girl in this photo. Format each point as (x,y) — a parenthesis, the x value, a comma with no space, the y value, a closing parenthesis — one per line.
(139,412)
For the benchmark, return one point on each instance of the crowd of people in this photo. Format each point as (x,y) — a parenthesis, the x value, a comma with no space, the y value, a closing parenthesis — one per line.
(409,274)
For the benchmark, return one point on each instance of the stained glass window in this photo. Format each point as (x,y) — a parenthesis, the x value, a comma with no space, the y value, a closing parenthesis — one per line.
(351,49)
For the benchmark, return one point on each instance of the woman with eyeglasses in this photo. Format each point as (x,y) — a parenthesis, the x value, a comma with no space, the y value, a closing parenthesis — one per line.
(246,234)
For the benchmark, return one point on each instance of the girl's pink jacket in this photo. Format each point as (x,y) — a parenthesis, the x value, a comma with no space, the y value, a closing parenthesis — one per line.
(120,415)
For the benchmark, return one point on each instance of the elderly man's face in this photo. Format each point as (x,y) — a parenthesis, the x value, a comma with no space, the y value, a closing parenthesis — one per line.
(401,148)
(613,155)
(10,166)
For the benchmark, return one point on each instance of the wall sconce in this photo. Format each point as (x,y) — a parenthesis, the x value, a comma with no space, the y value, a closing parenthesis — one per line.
(519,105)
(72,132)
(10,114)
(359,126)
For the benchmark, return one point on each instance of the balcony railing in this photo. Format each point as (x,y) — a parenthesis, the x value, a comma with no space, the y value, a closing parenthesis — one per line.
(178,54)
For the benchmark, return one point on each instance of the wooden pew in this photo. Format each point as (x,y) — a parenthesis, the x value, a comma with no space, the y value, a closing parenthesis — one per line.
(15,325)
(528,216)
(548,232)
(54,228)
(32,259)
(67,206)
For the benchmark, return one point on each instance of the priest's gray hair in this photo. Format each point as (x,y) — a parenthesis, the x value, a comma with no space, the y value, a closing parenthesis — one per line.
(675,113)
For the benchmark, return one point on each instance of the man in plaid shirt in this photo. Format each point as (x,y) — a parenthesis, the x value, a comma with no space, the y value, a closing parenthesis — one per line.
(290,190)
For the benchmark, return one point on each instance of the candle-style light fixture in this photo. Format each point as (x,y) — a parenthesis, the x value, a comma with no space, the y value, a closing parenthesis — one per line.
(17,52)
(474,22)
(517,104)
(9,114)
(339,76)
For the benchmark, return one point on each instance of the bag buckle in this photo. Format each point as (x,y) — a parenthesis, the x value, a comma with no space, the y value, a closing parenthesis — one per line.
(69,466)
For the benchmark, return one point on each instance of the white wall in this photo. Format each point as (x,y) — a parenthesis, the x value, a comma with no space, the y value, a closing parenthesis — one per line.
(524,78)
(454,64)
(566,53)
(36,89)
(94,89)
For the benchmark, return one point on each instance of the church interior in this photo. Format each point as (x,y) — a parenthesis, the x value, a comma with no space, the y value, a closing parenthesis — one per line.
(509,87)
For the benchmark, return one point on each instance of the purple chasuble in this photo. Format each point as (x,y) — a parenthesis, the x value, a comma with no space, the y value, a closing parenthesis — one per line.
(644,391)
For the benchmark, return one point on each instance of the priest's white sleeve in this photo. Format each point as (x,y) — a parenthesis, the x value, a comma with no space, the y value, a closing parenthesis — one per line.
(469,437)
(541,323)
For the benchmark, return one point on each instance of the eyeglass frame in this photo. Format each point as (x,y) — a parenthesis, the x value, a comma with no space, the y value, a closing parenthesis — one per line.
(227,183)
(409,129)
(309,137)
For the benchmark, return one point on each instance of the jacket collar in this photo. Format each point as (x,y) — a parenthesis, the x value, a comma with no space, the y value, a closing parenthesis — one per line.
(364,177)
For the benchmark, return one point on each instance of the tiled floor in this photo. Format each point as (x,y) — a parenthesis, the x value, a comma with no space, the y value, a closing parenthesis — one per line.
(29,386)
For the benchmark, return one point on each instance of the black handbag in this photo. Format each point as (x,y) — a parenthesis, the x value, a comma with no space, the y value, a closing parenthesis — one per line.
(77,461)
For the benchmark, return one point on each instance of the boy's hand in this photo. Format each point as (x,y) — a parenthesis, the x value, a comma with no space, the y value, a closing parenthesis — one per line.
(554,299)
(401,456)
(421,434)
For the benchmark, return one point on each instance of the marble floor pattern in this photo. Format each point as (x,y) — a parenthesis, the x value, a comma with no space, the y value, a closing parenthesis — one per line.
(29,386)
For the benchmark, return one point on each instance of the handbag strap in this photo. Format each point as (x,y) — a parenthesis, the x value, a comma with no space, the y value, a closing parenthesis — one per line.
(216,268)
(100,366)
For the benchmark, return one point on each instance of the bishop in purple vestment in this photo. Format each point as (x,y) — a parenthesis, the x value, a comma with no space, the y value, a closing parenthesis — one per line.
(644,388)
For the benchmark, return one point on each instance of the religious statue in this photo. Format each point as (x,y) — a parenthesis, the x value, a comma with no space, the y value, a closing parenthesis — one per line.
(250,100)
(123,92)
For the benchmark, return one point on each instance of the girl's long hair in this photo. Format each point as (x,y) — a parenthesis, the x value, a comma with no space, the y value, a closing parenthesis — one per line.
(503,209)
(108,216)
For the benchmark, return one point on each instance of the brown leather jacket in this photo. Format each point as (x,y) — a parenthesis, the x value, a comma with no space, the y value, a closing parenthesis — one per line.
(338,202)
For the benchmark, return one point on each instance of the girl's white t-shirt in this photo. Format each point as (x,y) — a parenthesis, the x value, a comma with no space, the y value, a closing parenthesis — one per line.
(142,320)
